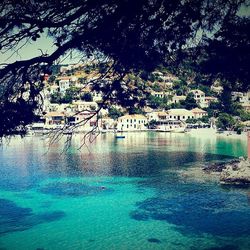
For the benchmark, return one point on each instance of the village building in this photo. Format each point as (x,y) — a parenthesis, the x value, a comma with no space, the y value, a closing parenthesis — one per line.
(242,97)
(82,121)
(53,89)
(198,113)
(54,118)
(199,96)
(157,116)
(159,94)
(82,105)
(216,88)
(132,123)
(246,106)
(64,85)
(180,114)
(209,100)
(107,123)
(178,98)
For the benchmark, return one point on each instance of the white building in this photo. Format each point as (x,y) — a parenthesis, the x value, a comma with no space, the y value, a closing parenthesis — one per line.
(157,116)
(180,114)
(64,85)
(53,89)
(132,123)
(83,121)
(242,97)
(159,94)
(199,95)
(199,113)
(82,105)
(107,123)
(53,119)
(54,107)
(178,98)
(202,100)
(97,96)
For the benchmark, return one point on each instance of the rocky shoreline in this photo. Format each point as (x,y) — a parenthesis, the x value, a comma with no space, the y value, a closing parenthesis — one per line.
(235,172)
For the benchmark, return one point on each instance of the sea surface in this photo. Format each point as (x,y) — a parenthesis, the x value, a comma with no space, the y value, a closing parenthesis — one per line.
(120,194)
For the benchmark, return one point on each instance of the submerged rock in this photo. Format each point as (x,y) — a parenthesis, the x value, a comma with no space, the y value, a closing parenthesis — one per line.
(236,173)
(219,167)
(154,240)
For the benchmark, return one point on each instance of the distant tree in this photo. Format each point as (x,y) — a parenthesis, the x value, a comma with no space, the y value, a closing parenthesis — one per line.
(190,102)
(177,105)
(52,78)
(154,101)
(180,87)
(87,97)
(82,80)
(152,77)
(115,113)
(191,120)
(204,119)
(71,94)
(56,97)
(226,121)
(134,110)
(156,87)
(244,115)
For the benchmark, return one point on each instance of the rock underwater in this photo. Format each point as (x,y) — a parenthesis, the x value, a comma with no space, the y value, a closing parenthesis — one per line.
(236,173)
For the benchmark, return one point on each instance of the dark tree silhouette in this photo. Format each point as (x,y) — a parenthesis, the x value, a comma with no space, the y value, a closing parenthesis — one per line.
(131,35)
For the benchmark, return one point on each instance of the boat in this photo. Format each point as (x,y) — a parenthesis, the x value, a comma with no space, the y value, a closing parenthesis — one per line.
(120,136)
(174,126)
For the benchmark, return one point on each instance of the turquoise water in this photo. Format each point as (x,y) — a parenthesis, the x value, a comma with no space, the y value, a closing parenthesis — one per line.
(120,194)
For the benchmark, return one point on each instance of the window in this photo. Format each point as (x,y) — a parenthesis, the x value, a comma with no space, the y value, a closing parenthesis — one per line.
(183,117)
(127,126)
(135,126)
(131,120)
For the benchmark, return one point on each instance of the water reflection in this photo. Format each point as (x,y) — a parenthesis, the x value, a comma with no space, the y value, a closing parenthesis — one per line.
(139,154)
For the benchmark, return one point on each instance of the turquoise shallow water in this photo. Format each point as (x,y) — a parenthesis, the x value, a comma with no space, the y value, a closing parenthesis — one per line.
(120,194)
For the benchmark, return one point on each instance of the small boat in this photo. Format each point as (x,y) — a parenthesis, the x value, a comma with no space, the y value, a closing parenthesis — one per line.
(120,136)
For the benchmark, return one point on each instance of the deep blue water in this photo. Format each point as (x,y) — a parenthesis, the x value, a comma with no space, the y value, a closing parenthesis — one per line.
(120,194)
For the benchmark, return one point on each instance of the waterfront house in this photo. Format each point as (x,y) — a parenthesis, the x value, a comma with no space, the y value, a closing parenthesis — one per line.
(107,123)
(198,113)
(180,114)
(134,122)
(158,116)
(83,121)
(55,118)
